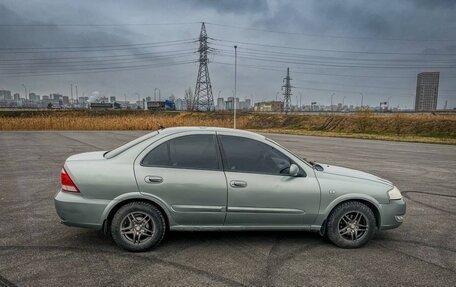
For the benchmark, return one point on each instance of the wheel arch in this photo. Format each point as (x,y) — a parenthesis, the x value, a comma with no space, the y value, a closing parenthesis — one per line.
(117,204)
(370,202)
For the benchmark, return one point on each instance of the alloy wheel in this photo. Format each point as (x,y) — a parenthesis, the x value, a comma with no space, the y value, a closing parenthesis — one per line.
(353,226)
(137,227)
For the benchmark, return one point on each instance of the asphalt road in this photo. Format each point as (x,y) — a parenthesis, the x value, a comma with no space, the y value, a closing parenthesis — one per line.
(36,250)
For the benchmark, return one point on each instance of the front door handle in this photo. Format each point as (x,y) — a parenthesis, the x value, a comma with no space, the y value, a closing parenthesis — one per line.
(238,183)
(153,179)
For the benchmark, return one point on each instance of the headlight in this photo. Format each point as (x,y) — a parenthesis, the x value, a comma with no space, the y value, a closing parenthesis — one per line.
(394,193)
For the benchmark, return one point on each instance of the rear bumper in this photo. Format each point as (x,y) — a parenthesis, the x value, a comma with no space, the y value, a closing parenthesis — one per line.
(392,214)
(76,210)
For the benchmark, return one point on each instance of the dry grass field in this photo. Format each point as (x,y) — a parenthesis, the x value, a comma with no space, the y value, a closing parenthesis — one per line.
(400,127)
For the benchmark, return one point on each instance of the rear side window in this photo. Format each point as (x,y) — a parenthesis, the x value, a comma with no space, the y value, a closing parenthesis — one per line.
(121,149)
(247,155)
(193,151)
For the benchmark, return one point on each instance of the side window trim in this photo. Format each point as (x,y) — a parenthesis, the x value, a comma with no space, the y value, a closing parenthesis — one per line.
(225,160)
(218,156)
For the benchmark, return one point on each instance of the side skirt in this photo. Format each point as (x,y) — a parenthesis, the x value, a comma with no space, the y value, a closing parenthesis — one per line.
(239,228)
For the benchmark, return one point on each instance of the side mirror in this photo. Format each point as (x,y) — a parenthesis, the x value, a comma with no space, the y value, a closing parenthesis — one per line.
(294,170)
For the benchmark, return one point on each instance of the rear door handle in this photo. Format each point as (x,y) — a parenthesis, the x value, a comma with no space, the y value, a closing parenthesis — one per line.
(238,183)
(153,179)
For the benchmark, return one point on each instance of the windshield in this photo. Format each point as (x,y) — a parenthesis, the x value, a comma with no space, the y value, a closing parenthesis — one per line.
(122,148)
(299,157)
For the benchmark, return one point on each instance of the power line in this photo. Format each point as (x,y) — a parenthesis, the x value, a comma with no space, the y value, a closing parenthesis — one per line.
(97,70)
(93,49)
(250,51)
(114,56)
(328,36)
(333,90)
(95,24)
(184,41)
(330,50)
(280,69)
(112,60)
(329,64)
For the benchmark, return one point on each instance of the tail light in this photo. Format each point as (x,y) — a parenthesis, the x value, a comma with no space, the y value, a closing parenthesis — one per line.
(67,183)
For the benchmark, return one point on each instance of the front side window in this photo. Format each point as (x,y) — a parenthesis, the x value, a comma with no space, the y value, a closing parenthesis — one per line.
(246,155)
(193,151)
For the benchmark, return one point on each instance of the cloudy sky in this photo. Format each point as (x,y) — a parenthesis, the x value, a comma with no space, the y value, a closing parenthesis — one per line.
(348,48)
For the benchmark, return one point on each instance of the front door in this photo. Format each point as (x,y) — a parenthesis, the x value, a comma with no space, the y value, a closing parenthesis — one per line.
(260,190)
(185,172)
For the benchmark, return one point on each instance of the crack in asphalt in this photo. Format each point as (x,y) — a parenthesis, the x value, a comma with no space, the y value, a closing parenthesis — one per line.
(5,282)
(415,257)
(405,193)
(151,259)
(79,141)
(275,259)
(423,244)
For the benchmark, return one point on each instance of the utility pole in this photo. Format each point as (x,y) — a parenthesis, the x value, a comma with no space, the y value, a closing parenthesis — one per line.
(287,92)
(362,99)
(235,83)
(71,93)
(203,98)
(77,95)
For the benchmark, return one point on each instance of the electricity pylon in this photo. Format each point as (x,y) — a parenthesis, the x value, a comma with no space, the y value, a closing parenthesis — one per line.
(203,99)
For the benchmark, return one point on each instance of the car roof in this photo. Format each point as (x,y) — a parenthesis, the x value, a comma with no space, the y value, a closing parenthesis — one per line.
(243,133)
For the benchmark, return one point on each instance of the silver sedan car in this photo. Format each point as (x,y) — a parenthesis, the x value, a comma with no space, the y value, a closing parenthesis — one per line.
(202,178)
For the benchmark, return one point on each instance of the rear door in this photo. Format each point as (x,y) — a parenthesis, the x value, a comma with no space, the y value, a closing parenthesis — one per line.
(260,190)
(184,171)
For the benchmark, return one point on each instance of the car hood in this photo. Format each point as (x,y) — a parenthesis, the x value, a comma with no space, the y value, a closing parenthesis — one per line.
(94,155)
(348,172)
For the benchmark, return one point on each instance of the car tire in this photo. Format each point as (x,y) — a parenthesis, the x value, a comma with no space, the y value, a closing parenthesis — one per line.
(138,226)
(351,225)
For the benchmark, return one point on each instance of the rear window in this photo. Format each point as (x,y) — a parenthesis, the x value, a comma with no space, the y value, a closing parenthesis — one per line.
(122,148)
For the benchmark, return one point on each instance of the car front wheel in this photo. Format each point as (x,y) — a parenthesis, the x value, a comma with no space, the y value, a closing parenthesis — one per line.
(138,226)
(351,225)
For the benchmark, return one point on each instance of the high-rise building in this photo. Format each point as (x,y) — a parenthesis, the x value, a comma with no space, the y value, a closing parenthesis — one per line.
(229,103)
(34,97)
(17,97)
(5,95)
(112,99)
(56,97)
(248,104)
(427,91)
(220,104)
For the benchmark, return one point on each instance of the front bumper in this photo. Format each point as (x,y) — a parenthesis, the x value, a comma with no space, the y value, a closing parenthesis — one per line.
(392,214)
(76,210)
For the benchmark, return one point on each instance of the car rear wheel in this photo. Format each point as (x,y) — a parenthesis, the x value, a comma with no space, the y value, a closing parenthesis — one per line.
(351,225)
(138,226)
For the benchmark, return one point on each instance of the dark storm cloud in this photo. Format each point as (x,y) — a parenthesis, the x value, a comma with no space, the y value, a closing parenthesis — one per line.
(233,6)
(434,4)
(32,35)
(360,17)
(285,17)
(52,35)
(353,25)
